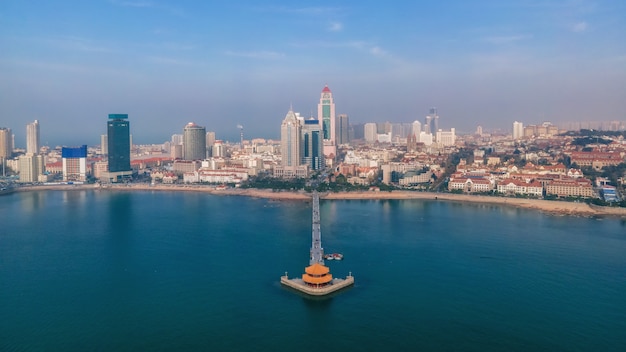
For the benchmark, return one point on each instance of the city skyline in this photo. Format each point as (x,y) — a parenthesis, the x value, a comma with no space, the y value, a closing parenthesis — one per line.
(69,63)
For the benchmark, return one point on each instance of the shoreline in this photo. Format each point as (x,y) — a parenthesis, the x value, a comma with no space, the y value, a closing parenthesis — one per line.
(546,206)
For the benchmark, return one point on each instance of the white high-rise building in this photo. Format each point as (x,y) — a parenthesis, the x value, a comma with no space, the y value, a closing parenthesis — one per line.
(32,137)
(6,143)
(370,132)
(446,138)
(30,166)
(104,144)
(417,128)
(518,130)
(177,139)
(425,138)
(290,133)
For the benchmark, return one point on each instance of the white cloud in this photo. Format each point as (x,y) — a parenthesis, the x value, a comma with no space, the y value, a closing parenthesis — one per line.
(378,51)
(335,27)
(580,27)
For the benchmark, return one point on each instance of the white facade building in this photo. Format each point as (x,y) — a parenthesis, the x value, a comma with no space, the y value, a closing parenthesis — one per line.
(518,130)
(370,132)
(32,137)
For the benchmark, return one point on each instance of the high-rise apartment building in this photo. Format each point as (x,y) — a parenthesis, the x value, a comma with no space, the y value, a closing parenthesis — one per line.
(104,144)
(291,148)
(74,163)
(370,132)
(446,138)
(194,142)
(118,145)
(210,141)
(518,130)
(326,117)
(312,145)
(343,129)
(417,128)
(32,137)
(30,167)
(177,139)
(290,132)
(6,143)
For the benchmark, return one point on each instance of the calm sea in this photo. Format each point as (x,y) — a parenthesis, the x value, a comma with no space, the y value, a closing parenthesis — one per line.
(112,271)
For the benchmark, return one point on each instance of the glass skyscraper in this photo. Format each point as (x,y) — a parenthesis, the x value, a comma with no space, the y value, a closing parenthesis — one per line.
(312,145)
(118,140)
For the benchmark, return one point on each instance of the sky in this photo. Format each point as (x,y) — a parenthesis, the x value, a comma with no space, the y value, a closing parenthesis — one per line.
(69,64)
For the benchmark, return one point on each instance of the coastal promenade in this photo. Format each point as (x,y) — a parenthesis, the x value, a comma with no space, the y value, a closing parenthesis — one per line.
(548,206)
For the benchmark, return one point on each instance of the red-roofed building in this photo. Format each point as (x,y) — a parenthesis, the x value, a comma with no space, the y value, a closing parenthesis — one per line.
(571,187)
(517,186)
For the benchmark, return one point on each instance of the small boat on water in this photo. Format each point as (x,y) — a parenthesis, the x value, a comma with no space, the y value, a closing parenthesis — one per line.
(333,256)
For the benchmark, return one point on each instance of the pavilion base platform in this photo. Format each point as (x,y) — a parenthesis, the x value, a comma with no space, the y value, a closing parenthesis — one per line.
(334,286)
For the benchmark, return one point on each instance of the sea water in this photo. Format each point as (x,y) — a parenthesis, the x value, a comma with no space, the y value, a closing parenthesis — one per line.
(139,270)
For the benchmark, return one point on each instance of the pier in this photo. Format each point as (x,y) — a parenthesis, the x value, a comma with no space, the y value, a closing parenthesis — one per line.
(317,280)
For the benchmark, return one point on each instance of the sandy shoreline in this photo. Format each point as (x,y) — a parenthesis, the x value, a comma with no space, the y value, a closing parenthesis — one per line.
(548,206)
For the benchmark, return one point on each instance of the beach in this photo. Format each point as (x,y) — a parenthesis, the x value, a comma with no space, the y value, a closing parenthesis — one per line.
(547,206)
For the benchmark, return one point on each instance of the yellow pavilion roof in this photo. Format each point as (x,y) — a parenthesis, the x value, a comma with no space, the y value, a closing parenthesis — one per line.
(317,269)
(317,279)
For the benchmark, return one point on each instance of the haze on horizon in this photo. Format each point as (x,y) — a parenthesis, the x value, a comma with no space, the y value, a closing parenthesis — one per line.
(70,63)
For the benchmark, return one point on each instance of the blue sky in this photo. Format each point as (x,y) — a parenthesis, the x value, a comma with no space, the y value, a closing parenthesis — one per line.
(218,63)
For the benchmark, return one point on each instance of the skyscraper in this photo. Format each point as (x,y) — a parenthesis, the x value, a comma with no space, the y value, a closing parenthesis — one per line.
(6,143)
(118,141)
(194,142)
(290,131)
(343,129)
(518,130)
(326,117)
(431,124)
(312,145)
(210,141)
(32,137)
(104,144)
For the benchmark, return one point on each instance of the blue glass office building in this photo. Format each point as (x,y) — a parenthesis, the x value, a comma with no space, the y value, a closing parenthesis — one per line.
(312,145)
(118,137)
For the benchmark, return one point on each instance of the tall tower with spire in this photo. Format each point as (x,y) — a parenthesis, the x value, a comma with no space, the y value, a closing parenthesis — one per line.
(290,133)
(326,117)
